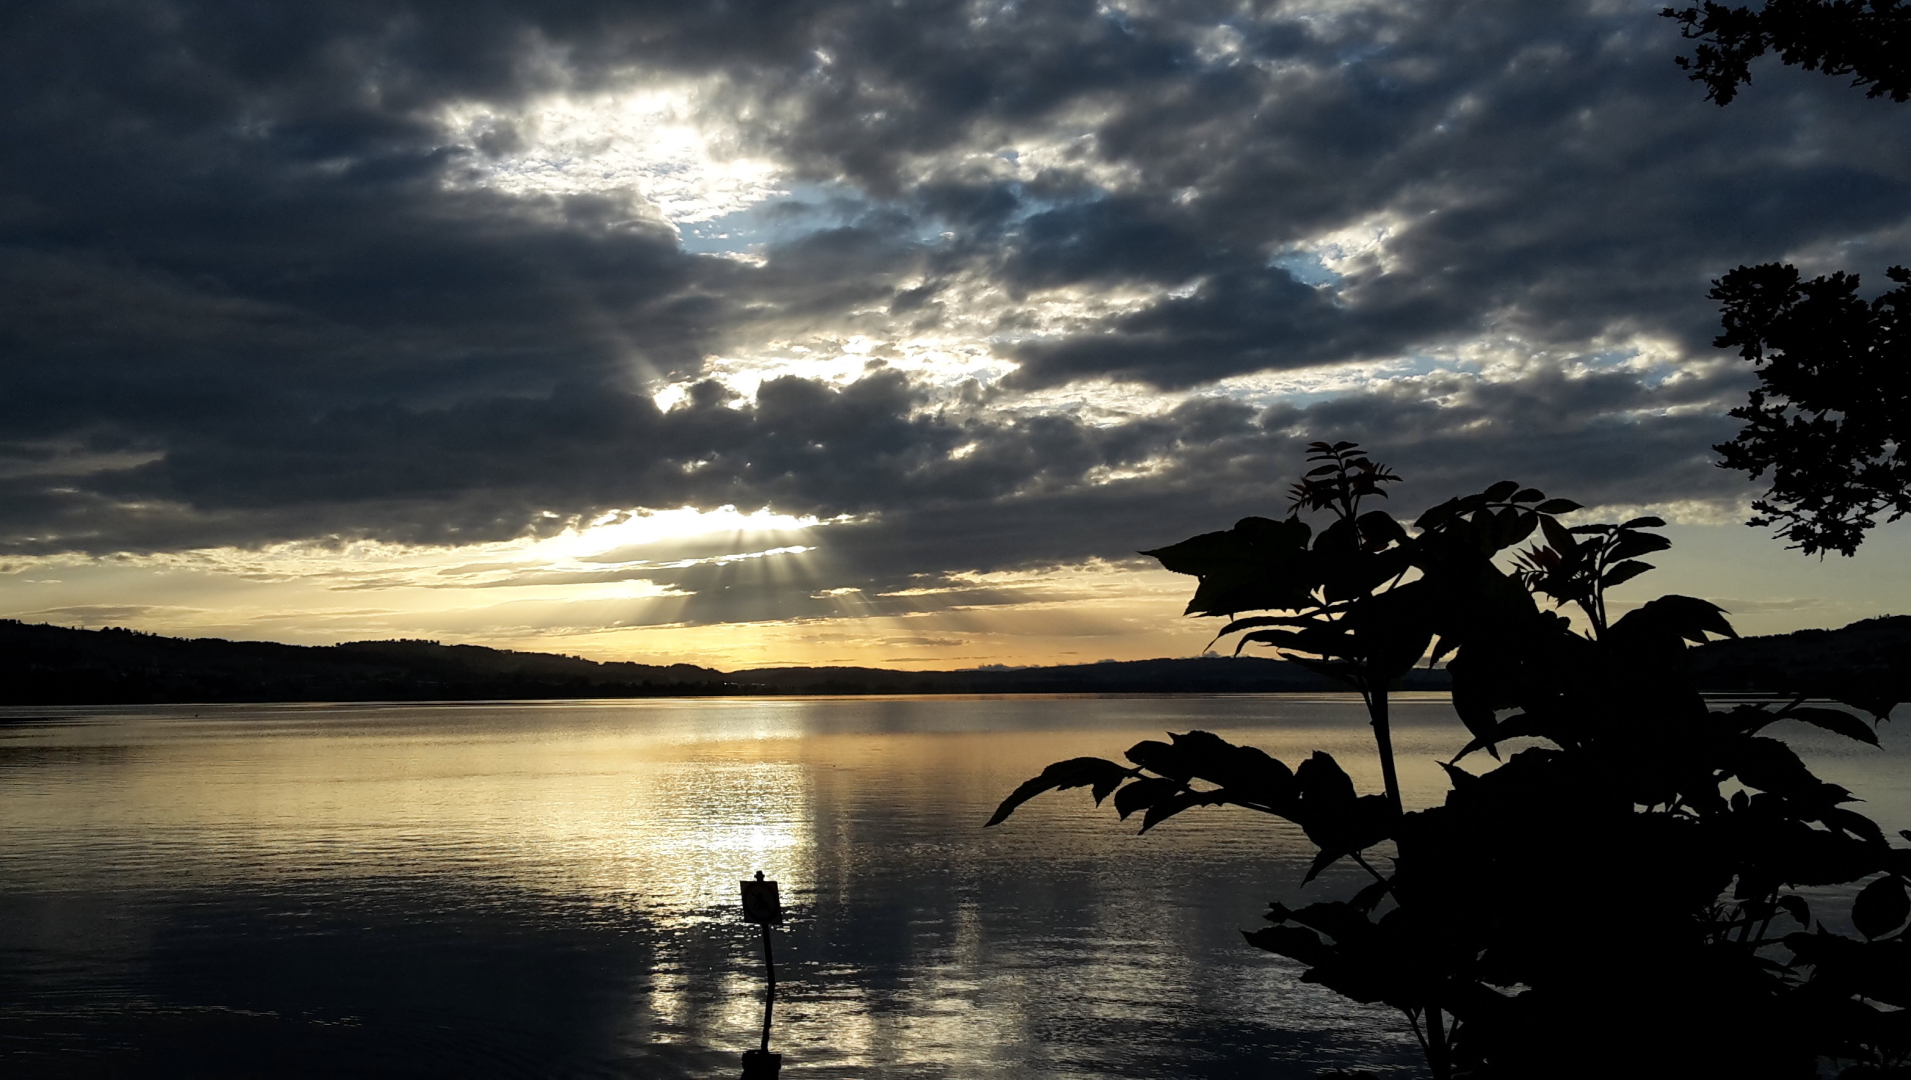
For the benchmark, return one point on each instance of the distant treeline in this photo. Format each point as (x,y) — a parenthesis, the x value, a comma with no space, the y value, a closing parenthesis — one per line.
(53,665)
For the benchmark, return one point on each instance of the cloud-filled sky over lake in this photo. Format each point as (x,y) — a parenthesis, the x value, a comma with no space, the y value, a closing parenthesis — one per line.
(742,332)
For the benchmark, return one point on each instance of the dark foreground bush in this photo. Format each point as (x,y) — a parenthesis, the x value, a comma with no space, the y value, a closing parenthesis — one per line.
(1612,887)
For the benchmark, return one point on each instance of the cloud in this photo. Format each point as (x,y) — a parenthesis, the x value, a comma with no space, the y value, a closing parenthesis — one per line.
(977,287)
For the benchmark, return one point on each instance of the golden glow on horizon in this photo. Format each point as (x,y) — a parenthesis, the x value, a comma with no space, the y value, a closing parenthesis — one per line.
(584,590)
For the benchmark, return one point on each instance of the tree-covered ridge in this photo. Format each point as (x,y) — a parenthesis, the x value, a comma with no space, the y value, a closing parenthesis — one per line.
(49,665)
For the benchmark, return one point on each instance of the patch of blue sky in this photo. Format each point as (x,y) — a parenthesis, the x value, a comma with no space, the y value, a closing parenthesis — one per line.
(1305,266)
(802,209)
(1312,386)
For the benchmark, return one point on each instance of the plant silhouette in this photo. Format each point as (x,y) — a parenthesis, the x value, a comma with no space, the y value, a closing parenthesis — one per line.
(1624,895)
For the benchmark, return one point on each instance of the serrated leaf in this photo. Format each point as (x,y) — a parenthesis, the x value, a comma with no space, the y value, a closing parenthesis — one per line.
(1681,616)
(1293,942)
(1144,793)
(1842,723)
(1075,772)
(1528,495)
(1256,621)
(1172,805)
(1500,491)
(1558,506)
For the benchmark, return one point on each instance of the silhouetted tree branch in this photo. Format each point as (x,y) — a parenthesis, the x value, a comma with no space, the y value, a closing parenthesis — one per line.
(1870,40)
(1831,418)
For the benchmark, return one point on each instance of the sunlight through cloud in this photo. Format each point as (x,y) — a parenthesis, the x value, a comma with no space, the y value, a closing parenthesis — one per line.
(656,142)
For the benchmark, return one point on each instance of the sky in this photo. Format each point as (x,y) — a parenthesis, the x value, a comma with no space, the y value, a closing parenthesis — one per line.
(742,333)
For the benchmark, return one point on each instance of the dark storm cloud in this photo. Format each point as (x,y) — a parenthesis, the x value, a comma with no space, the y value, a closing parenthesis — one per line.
(246,296)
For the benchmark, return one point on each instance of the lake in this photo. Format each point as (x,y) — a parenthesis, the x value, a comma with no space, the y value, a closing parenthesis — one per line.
(550,889)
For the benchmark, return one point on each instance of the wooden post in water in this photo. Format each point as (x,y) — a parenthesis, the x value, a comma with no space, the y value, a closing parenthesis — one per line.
(762,906)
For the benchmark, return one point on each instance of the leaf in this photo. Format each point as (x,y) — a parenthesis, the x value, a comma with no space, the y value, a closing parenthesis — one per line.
(1173,805)
(1379,528)
(1277,639)
(1145,793)
(1558,506)
(1528,495)
(1501,491)
(1437,517)
(1644,523)
(1881,907)
(1323,782)
(1256,621)
(1624,572)
(1508,527)
(1842,723)
(1519,726)
(1103,774)
(1245,772)
(1159,757)
(1260,564)
(1369,898)
(1770,765)
(1460,777)
(1672,615)
(1341,829)
(1293,942)
(1633,544)
(1326,858)
(1854,823)
(1559,537)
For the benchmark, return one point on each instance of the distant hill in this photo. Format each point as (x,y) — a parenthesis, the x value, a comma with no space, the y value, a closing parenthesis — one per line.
(47,665)
(54,665)
(1195,675)
(1867,663)
(51,665)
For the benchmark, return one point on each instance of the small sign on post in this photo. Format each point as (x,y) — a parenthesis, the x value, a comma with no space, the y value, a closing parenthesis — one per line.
(761,903)
(762,906)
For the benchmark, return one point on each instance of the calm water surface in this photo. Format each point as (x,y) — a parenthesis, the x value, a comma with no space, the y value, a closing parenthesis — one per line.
(550,890)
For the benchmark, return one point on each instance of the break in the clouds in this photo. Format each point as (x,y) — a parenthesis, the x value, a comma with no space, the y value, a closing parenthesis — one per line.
(949,304)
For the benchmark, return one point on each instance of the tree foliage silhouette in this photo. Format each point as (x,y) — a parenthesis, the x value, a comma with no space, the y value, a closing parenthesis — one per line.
(1870,40)
(1834,406)
(1831,418)
(1624,895)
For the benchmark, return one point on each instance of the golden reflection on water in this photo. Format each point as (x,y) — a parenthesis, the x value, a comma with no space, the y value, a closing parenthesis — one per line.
(917,942)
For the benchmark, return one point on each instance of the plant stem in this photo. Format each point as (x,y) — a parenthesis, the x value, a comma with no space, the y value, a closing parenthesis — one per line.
(1383,738)
(1437,1044)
